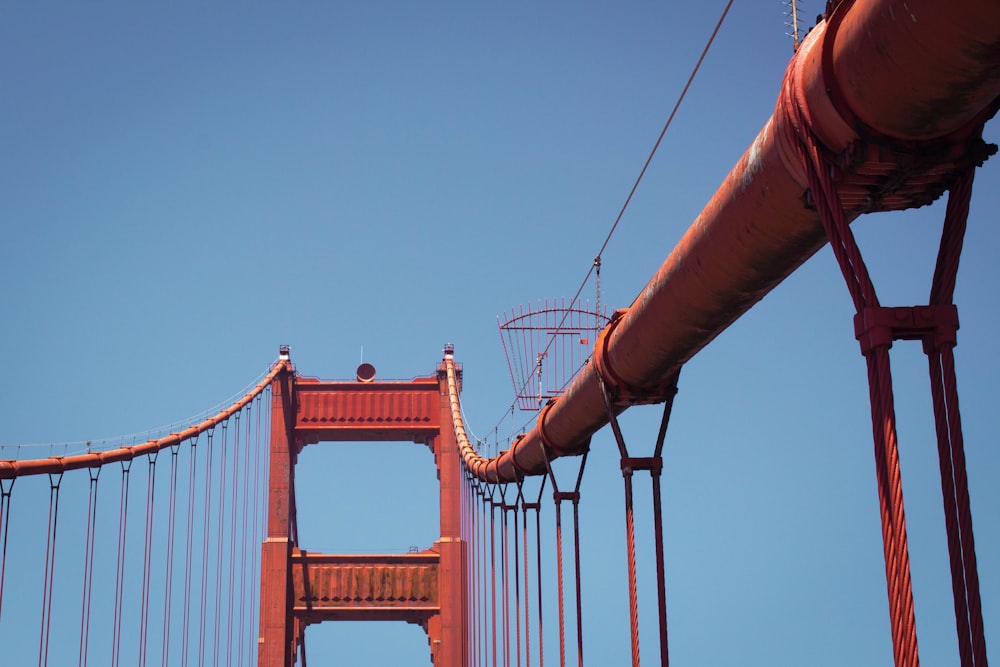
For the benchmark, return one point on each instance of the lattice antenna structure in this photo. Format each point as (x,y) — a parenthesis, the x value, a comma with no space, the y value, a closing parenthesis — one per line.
(546,345)
(792,22)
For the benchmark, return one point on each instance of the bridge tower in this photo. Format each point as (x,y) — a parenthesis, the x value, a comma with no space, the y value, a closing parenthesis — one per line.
(299,588)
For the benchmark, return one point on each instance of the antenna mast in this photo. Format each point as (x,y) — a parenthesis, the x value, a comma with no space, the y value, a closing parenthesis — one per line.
(792,22)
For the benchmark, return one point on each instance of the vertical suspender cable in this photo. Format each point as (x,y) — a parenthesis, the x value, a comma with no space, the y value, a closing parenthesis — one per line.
(574,496)
(661,579)
(527,588)
(557,499)
(232,540)
(471,568)
(505,578)
(120,567)
(186,616)
(626,467)
(168,584)
(517,584)
(6,487)
(256,540)
(493,572)
(147,558)
(654,464)
(220,540)
(485,596)
(538,564)
(951,449)
(243,535)
(579,597)
(206,534)
(88,565)
(824,195)
(55,479)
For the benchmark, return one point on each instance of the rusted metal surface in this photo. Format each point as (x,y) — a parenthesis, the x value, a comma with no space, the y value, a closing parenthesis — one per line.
(896,90)
(401,587)
(396,411)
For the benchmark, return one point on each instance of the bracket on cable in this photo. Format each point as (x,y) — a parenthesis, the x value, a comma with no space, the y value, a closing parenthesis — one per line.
(935,325)
(617,390)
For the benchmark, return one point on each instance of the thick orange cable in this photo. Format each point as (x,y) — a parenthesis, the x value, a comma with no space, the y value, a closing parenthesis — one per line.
(55,464)
(756,230)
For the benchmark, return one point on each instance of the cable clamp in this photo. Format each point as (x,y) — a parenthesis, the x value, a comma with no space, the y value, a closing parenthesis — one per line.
(620,392)
(936,326)
(654,464)
(559,496)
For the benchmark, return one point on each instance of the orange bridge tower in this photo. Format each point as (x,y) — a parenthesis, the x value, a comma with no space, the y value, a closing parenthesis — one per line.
(298,587)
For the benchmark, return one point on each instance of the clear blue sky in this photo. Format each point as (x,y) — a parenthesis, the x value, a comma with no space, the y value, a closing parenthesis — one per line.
(185,187)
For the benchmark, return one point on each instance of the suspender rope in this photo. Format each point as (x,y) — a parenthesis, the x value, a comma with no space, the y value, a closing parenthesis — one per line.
(505,588)
(88,565)
(537,505)
(147,557)
(654,464)
(876,328)
(259,454)
(525,506)
(897,560)
(493,570)
(120,567)
(6,487)
(574,496)
(245,510)
(576,552)
(188,542)
(168,582)
(517,576)
(169,578)
(486,613)
(951,450)
(207,532)
(232,537)
(55,479)
(219,541)
(474,569)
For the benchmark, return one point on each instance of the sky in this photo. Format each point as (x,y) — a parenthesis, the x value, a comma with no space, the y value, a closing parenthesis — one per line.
(185,187)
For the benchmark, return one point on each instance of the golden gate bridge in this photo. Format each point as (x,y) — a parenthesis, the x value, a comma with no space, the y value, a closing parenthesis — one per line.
(882,108)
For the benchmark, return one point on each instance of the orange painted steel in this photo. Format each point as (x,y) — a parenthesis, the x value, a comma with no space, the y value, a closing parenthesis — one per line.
(366,587)
(58,464)
(300,588)
(897,91)
(365,410)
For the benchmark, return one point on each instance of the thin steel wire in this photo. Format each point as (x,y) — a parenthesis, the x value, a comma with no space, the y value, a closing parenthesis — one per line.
(88,566)
(168,584)
(147,558)
(48,586)
(120,566)
(6,489)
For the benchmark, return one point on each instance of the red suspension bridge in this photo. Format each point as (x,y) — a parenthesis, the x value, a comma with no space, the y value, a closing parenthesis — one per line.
(186,547)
